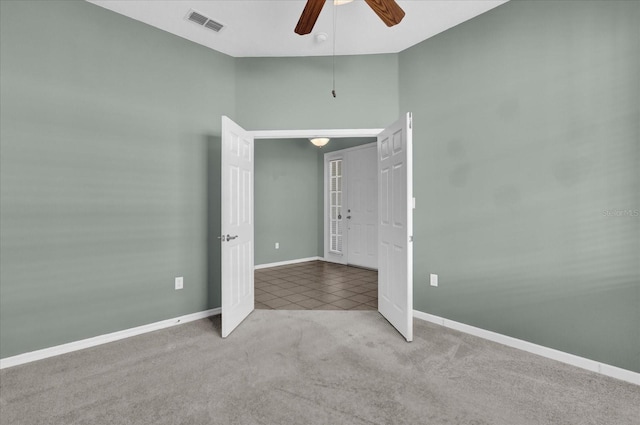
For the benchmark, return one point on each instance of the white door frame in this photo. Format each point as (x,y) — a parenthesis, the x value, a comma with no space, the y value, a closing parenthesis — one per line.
(348,133)
(309,134)
(328,256)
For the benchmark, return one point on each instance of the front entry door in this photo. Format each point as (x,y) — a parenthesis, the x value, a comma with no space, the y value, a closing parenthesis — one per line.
(237,225)
(395,226)
(362,207)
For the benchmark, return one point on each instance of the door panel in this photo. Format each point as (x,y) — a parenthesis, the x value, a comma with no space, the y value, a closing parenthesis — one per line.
(237,225)
(395,226)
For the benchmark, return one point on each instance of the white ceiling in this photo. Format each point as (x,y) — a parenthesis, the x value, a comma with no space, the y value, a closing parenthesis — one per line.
(258,28)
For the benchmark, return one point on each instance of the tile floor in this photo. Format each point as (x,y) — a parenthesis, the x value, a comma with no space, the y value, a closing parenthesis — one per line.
(316,285)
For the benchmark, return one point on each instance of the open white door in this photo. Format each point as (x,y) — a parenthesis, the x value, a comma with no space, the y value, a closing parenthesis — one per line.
(395,226)
(237,225)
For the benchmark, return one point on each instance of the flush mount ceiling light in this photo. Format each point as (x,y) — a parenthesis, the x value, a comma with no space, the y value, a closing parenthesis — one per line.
(341,2)
(319,141)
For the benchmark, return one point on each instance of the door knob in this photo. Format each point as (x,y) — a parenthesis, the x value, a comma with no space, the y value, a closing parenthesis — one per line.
(231,237)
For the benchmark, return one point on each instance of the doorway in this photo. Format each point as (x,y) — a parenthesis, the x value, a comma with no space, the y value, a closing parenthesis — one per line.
(395,222)
(290,184)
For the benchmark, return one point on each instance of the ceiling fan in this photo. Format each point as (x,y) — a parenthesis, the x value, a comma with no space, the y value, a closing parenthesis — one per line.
(388,10)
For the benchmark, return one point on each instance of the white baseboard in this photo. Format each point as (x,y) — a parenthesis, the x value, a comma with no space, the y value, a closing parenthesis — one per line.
(581,362)
(561,356)
(102,339)
(286,263)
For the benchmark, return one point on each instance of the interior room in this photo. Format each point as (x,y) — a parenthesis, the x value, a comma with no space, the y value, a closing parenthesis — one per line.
(292,269)
(524,300)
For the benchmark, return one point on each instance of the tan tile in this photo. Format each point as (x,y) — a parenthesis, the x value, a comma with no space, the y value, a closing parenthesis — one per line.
(358,289)
(328,298)
(345,304)
(312,293)
(294,298)
(310,303)
(315,284)
(298,289)
(332,288)
(362,307)
(277,302)
(282,292)
(270,288)
(361,298)
(279,282)
(344,293)
(261,306)
(372,303)
(265,297)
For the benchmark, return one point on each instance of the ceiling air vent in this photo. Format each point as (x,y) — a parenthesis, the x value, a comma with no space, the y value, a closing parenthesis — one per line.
(203,20)
(213,25)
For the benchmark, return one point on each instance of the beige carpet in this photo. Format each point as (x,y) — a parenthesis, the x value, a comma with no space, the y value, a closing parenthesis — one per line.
(310,367)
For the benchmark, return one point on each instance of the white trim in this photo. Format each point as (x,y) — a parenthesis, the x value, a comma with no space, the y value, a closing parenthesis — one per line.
(286,263)
(561,356)
(103,339)
(302,134)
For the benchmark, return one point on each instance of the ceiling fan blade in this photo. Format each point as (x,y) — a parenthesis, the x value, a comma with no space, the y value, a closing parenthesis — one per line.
(388,10)
(309,16)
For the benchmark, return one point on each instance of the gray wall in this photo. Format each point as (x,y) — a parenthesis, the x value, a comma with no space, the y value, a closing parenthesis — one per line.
(526,133)
(106,127)
(295,93)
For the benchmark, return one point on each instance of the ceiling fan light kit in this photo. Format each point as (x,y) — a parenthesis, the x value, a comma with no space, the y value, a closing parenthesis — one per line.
(321,37)
(387,10)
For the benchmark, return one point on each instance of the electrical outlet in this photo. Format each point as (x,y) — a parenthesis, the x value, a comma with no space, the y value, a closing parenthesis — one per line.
(433,279)
(179,283)
(277,245)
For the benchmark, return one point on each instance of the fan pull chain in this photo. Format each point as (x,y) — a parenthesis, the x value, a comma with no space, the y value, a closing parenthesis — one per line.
(335,18)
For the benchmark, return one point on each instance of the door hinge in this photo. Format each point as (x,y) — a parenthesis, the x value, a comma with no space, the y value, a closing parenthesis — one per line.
(410,120)
(411,238)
